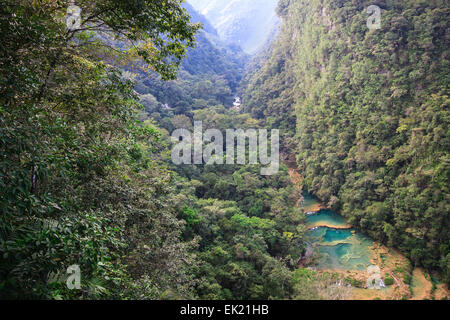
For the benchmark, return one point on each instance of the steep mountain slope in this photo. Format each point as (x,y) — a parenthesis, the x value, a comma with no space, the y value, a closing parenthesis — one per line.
(371,109)
(244,22)
(211,55)
(196,16)
(209,76)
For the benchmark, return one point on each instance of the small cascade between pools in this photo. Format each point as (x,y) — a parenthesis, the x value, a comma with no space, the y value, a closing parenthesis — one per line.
(337,244)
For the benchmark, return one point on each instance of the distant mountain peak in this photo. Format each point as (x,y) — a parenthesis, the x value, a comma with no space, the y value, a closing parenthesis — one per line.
(197,17)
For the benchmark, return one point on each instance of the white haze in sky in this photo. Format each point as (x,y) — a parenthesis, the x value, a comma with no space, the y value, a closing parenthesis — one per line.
(248,23)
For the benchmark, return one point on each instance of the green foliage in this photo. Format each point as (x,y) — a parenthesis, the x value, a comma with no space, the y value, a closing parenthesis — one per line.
(237,248)
(355,282)
(80,176)
(366,112)
(86,177)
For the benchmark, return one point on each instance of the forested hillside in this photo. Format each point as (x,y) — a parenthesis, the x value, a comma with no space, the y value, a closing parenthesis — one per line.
(366,112)
(86,176)
(87,179)
(246,228)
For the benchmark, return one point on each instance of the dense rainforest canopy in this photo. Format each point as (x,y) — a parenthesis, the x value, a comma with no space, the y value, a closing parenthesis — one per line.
(80,180)
(85,171)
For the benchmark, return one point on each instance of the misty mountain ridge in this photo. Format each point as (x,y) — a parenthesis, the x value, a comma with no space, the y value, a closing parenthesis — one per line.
(248,23)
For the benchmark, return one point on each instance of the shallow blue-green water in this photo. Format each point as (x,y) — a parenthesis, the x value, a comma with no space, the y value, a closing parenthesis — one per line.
(326,217)
(344,249)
